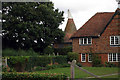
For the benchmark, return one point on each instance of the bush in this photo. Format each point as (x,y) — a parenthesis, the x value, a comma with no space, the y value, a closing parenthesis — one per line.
(63,51)
(41,61)
(39,68)
(60,59)
(32,76)
(53,66)
(107,64)
(48,50)
(17,62)
(72,56)
(79,64)
(96,60)
(12,52)
(27,63)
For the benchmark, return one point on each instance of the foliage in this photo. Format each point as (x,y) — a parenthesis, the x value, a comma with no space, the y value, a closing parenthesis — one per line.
(39,68)
(41,61)
(13,52)
(48,50)
(31,25)
(108,64)
(16,59)
(96,60)
(79,64)
(72,56)
(63,51)
(60,59)
(28,63)
(32,76)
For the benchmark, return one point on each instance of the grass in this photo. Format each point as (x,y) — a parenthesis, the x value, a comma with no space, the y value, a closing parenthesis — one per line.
(80,74)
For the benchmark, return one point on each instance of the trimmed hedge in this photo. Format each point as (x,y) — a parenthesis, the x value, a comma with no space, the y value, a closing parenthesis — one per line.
(72,56)
(27,63)
(32,76)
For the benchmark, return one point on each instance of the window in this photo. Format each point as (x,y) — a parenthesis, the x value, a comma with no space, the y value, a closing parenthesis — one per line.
(89,57)
(114,40)
(83,57)
(119,57)
(85,41)
(113,57)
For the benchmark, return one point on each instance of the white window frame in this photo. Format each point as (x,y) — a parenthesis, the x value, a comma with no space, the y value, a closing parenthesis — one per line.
(112,57)
(89,57)
(115,41)
(82,57)
(83,41)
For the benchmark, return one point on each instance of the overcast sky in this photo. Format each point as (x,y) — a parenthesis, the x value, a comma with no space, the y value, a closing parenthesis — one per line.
(83,10)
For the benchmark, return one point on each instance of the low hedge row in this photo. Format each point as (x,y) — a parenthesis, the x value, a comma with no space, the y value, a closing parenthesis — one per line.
(27,63)
(32,76)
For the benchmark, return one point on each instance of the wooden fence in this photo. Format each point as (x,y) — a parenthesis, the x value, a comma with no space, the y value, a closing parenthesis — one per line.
(73,65)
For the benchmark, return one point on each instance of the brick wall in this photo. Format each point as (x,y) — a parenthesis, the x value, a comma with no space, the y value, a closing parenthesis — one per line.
(102,44)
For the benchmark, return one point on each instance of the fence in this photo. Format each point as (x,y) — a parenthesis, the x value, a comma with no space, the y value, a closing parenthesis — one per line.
(73,65)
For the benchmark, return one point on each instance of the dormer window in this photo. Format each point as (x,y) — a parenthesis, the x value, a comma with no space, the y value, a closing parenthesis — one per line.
(85,41)
(114,40)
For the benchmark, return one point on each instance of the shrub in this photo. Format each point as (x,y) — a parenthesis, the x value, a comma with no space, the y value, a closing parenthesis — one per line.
(107,64)
(41,61)
(27,63)
(39,68)
(48,50)
(9,52)
(79,64)
(32,76)
(96,60)
(12,52)
(60,59)
(72,56)
(53,66)
(17,62)
(63,51)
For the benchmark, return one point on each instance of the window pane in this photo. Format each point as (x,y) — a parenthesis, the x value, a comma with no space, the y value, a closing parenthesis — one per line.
(119,57)
(89,40)
(85,40)
(81,40)
(110,56)
(112,40)
(114,56)
(116,39)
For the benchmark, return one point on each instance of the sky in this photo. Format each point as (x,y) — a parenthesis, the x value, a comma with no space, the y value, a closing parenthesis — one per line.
(83,10)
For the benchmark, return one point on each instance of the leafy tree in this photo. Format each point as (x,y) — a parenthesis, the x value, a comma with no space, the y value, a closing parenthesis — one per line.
(31,25)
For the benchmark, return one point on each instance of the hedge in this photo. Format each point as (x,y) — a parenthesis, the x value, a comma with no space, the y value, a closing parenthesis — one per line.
(27,63)
(63,51)
(32,76)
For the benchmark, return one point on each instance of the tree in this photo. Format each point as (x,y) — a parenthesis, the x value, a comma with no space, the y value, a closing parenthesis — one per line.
(31,25)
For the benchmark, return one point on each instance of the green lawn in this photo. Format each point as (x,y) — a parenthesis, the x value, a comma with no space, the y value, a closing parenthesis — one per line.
(80,74)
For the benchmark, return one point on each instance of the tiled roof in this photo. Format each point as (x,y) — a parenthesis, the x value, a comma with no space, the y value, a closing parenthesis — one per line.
(95,25)
(70,29)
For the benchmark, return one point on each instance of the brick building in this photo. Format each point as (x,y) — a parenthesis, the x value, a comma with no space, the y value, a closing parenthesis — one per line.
(69,30)
(99,35)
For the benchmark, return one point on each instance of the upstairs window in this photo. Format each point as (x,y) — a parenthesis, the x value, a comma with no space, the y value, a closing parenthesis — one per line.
(85,41)
(114,40)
